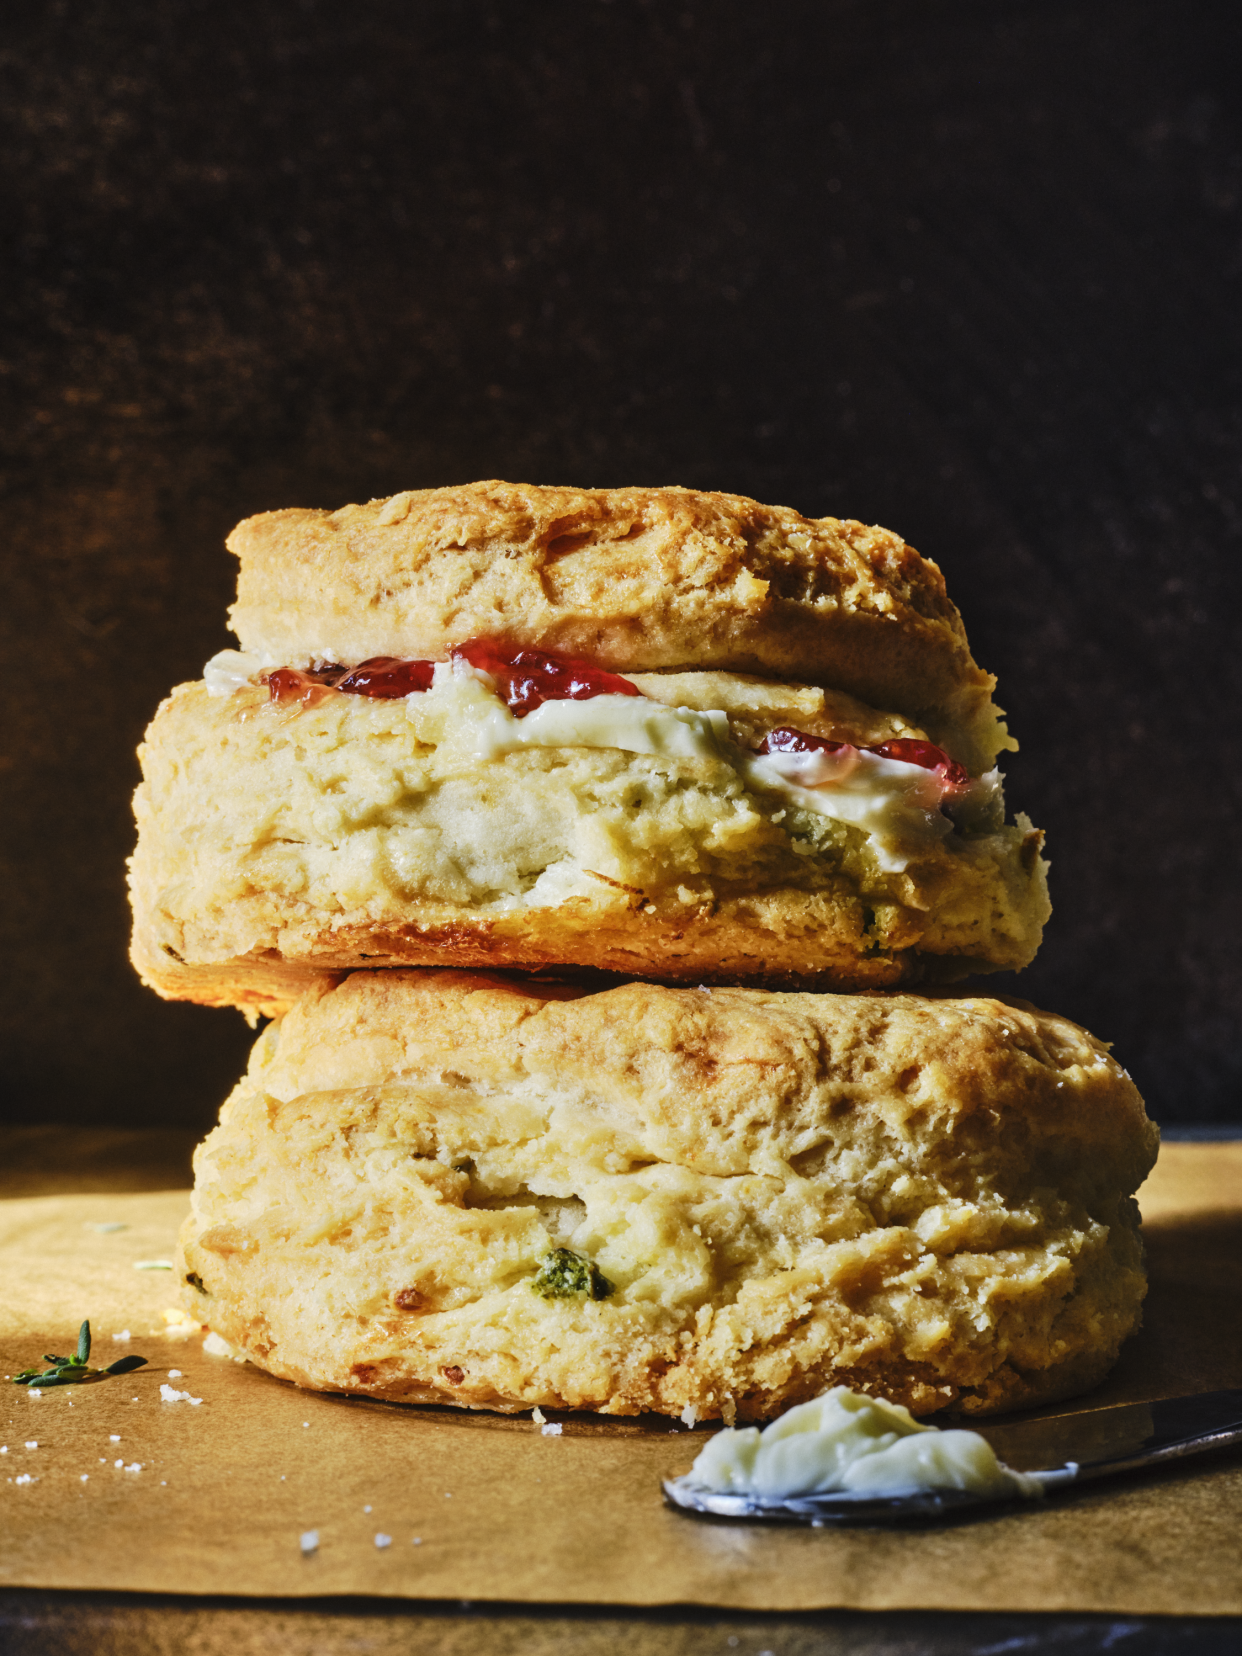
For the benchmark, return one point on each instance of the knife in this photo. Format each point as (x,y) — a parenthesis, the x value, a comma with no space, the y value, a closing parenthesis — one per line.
(1060,1452)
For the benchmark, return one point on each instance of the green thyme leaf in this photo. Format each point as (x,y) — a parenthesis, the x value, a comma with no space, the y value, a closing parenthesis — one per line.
(563,1273)
(124,1364)
(74,1371)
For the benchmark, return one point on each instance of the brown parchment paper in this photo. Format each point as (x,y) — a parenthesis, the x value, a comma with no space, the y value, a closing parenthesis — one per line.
(503,1512)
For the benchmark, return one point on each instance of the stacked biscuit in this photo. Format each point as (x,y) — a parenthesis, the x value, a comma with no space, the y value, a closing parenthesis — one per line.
(581,845)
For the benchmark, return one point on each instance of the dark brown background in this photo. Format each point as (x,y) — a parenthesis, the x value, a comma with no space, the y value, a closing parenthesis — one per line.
(971,270)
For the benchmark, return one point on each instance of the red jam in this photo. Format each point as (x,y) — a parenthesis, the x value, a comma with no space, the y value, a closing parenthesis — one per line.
(907,749)
(386,677)
(527,678)
(383,678)
(785,740)
(294,684)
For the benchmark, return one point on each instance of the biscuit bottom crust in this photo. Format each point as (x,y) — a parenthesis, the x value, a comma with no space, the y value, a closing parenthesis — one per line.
(927,1199)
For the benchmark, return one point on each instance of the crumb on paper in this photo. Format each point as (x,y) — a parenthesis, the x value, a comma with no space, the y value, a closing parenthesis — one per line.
(34,1391)
(309,1541)
(418,1541)
(85,1478)
(122,1336)
(32,1443)
(174,1374)
(135,1466)
(382,1540)
(119,1463)
(170,1394)
(366,1509)
(114,1437)
(25,1478)
(552,1429)
(215,1345)
(537,1415)
(180,1324)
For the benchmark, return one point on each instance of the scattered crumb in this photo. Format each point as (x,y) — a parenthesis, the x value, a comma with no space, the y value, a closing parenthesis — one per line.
(34,1391)
(32,1443)
(120,1462)
(122,1336)
(306,1423)
(170,1394)
(552,1429)
(136,1466)
(366,1509)
(174,1374)
(215,1345)
(418,1540)
(537,1415)
(382,1540)
(84,1478)
(310,1541)
(25,1477)
(690,1415)
(114,1437)
(180,1323)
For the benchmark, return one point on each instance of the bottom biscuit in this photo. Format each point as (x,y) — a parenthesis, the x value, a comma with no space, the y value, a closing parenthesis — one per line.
(460,1188)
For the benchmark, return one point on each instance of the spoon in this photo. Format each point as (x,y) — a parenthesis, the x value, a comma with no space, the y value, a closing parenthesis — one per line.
(1063,1451)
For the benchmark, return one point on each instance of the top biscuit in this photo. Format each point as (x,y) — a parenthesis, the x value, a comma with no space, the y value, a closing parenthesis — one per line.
(636,579)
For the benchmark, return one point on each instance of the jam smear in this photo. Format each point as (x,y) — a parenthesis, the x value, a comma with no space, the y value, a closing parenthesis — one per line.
(913,752)
(908,749)
(785,740)
(384,678)
(527,678)
(296,684)
(381,677)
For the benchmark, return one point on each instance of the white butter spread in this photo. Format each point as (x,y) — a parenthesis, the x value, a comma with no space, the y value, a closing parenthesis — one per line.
(230,670)
(845,1444)
(894,803)
(631,723)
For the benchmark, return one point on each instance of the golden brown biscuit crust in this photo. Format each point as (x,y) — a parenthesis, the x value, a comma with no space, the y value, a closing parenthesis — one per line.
(634,579)
(929,1199)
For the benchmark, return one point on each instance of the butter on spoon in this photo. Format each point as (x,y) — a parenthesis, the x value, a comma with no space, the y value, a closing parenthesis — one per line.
(848,1459)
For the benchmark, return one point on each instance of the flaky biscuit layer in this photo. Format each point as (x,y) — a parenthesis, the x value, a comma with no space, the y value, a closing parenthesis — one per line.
(635,579)
(276,845)
(768,1194)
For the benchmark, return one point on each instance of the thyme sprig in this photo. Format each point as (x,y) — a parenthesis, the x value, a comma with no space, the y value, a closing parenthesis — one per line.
(75,1370)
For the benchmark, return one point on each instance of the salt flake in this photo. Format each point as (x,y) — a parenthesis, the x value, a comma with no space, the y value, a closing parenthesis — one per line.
(170,1394)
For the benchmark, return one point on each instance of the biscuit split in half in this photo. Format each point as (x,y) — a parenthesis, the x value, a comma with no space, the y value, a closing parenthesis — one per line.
(463,1188)
(789,778)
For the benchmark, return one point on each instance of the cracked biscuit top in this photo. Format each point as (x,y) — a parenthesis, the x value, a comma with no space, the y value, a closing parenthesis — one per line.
(637,579)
